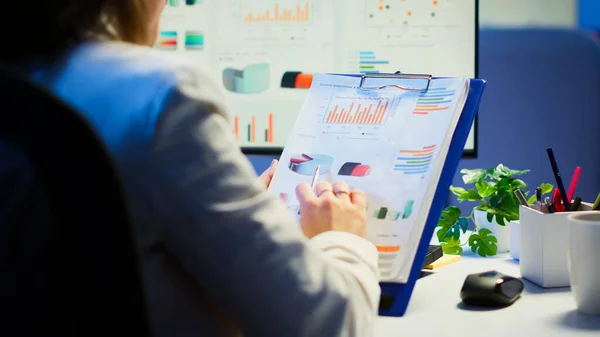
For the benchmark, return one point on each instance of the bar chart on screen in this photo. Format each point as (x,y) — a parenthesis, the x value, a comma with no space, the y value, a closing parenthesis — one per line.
(367,62)
(277,12)
(251,130)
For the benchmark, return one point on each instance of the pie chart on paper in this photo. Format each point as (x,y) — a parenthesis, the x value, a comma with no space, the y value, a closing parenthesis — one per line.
(306,164)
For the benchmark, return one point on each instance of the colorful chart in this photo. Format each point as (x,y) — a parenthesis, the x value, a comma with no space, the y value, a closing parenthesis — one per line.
(408,209)
(290,12)
(296,80)
(354,169)
(194,40)
(415,161)
(390,13)
(361,111)
(306,164)
(251,129)
(177,3)
(369,63)
(434,100)
(252,79)
(167,40)
(384,213)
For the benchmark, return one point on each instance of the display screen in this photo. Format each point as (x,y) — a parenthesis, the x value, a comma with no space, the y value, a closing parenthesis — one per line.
(265,52)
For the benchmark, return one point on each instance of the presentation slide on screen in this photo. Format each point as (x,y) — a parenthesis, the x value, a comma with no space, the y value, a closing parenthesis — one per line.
(265,52)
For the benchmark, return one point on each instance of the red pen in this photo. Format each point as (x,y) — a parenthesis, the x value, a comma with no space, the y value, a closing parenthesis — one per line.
(573,184)
(557,203)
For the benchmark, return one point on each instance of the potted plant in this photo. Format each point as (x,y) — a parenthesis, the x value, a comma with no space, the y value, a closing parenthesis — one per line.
(494,192)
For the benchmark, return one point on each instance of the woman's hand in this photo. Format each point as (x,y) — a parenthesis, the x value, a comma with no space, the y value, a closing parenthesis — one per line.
(267,176)
(334,208)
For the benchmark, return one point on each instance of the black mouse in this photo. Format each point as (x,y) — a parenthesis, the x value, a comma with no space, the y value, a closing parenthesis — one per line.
(491,289)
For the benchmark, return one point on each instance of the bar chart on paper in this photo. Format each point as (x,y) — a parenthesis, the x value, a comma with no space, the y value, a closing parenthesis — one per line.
(434,100)
(253,130)
(358,110)
(278,12)
(415,161)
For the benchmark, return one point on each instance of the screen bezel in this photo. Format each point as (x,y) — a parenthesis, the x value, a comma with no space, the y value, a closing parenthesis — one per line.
(467,153)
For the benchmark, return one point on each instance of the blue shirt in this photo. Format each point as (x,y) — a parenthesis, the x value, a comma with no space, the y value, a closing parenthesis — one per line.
(220,255)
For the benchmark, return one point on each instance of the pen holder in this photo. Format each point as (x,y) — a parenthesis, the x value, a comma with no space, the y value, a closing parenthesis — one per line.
(544,242)
(515,240)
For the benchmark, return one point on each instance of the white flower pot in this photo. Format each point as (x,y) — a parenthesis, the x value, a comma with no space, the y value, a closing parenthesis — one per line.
(502,233)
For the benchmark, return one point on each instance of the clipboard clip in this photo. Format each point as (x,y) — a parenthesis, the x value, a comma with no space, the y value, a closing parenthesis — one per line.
(419,82)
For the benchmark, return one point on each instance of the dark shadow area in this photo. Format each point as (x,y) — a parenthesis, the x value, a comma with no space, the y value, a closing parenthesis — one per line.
(513,261)
(466,307)
(579,321)
(425,273)
(534,289)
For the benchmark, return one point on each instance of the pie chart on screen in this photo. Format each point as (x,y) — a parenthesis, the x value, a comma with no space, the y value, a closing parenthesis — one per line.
(306,164)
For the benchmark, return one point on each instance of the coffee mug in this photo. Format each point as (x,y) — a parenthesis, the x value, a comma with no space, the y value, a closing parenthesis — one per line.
(584,260)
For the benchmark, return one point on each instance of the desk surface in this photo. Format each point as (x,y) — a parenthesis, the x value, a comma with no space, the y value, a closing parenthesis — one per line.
(435,308)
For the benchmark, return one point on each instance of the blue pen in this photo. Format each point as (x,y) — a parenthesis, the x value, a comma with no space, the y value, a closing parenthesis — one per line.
(559,182)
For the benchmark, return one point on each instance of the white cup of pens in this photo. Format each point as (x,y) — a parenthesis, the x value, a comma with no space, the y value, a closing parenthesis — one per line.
(544,231)
(562,200)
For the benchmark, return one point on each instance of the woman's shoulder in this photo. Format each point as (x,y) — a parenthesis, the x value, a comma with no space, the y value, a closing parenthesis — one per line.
(133,61)
(144,72)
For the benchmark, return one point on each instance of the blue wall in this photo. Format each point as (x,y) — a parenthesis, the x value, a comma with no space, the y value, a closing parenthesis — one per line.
(589,14)
(543,91)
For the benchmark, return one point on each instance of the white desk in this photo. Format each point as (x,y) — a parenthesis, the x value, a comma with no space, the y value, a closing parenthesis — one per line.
(436,309)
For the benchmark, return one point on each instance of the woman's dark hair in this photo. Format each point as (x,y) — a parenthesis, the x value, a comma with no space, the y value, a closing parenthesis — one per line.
(45,29)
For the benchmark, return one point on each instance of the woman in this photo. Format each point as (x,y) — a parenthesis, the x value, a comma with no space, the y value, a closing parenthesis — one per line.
(220,255)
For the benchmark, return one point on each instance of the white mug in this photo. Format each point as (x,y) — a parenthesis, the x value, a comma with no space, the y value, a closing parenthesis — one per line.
(584,260)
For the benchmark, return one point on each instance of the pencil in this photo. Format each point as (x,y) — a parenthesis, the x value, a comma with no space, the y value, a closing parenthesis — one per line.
(315,177)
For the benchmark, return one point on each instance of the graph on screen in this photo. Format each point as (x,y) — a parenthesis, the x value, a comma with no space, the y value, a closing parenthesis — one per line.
(264,53)
(383,13)
(253,133)
(279,12)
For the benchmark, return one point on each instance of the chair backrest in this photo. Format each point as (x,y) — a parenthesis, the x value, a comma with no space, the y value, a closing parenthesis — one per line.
(68,262)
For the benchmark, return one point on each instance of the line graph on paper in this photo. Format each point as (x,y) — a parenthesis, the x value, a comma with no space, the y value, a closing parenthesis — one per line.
(348,110)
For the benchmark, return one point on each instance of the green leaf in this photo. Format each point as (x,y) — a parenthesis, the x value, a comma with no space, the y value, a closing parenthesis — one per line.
(470,195)
(472,176)
(546,188)
(532,199)
(505,171)
(501,215)
(451,247)
(451,224)
(484,243)
(517,184)
(458,191)
(485,189)
(490,216)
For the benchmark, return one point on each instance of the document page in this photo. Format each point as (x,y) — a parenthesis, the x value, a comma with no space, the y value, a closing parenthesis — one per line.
(391,143)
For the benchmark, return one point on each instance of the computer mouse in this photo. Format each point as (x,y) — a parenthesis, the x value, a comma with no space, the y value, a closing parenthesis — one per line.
(491,289)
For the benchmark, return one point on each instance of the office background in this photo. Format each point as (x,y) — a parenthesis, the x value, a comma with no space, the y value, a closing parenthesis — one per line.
(541,59)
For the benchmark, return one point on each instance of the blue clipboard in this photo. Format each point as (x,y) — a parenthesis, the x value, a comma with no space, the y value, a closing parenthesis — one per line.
(396,296)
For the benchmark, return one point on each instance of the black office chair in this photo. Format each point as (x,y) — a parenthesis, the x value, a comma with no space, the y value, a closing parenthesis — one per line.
(67,260)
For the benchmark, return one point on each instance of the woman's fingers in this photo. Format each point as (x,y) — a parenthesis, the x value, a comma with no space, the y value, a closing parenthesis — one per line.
(341,190)
(358,198)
